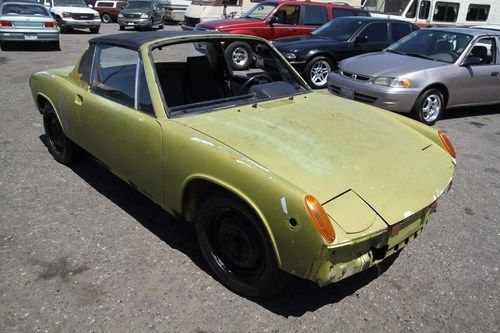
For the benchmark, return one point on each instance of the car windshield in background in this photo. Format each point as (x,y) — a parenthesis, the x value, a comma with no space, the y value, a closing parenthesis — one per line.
(24,10)
(72,3)
(433,45)
(260,11)
(138,5)
(340,28)
(390,7)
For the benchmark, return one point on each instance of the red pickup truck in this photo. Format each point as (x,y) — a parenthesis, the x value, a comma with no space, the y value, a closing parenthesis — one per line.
(275,19)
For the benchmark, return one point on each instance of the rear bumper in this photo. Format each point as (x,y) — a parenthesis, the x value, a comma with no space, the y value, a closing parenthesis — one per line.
(393,99)
(29,36)
(175,15)
(339,262)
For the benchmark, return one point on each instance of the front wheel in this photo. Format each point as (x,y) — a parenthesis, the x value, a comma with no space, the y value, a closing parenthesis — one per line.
(429,106)
(240,54)
(122,27)
(237,247)
(60,147)
(94,30)
(317,71)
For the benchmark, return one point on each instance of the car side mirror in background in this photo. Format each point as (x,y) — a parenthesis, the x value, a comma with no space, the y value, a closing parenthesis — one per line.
(361,40)
(471,60)
(273,20)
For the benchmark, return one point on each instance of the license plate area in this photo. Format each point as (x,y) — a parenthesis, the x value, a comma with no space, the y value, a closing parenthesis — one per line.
(347,92)
(31,36)
(405,228)
(130,23)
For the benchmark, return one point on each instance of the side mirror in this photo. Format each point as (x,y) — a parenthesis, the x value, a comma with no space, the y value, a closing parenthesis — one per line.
(471,60)
(273,20)
(361,40)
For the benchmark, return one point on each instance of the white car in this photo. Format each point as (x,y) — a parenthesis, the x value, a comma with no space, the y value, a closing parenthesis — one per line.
(71,14)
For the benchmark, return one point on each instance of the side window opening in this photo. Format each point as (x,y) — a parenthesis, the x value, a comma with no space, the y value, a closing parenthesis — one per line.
(288,15)
(477,13)
(376,32)
(446,11)
(339,12)
(85,66)
(412,10)
(314,15)
(484,48)
(423,12)
(399,30)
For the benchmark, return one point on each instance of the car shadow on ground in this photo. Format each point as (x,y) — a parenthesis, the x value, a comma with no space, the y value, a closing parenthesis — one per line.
(471,111)
(299,297)
(28,47)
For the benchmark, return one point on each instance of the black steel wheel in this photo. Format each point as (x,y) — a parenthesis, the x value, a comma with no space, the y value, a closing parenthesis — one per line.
(60,147)
(237,247)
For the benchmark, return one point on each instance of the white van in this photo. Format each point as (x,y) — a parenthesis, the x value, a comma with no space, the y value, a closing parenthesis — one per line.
(437,12)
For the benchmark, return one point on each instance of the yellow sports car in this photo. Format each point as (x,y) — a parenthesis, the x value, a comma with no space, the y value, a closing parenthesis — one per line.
(278,179)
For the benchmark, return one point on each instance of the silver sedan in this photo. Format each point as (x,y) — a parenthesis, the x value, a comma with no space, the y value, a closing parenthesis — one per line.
(425,73)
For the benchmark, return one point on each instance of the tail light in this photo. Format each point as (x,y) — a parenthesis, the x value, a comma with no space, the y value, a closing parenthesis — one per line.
(6,24)
(447,143)
(51,25)
(320,219)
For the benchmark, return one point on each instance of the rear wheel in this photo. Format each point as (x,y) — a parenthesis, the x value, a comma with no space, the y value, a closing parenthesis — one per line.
(122,27)
(237,247)
(106,18)
(429,106)
(56,46)
(94,30)
(60,147)
(150,25)
(316,72)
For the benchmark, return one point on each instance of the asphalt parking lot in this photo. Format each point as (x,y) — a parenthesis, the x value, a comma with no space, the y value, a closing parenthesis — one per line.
(81,250)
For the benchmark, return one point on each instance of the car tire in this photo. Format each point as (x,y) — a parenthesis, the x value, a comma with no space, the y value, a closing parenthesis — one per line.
(94,30)
(240,55)
(56,46)
(316,72)
(162,23)
(106,18)
(4,46)
(429,106)
(237,247)
(60,147)
(150,25)
(122,27)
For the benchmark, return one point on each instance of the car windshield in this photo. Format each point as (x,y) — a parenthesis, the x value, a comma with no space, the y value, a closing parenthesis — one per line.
(433,45)
(72,3)
(260,11)
(24,9)
(340,28)
(138,5)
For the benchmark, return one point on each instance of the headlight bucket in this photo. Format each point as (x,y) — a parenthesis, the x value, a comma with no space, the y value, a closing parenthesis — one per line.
(289,55)
(144,15)
(395,82)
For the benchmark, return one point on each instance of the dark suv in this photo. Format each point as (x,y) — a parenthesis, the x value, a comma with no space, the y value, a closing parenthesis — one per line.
(142,14)
(275,19)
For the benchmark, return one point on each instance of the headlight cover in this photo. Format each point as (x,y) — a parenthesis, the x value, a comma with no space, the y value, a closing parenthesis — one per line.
(144,15)
(395,82)
(289,55)
(120,15)
(65,14)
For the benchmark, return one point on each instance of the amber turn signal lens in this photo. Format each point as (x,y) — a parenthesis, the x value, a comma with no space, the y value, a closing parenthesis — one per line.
(447,143)
(318,216)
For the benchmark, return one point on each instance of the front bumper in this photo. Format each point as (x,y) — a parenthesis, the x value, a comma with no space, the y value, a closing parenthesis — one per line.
(393,99)
(338,262)
(26,35)
(133,22)
(81,24)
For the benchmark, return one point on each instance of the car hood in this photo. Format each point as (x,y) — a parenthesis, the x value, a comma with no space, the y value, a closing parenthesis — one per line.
(327,145)
(387,64)
(303,42)
(229,24)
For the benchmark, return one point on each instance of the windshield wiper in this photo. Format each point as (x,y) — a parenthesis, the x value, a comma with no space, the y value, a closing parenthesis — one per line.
(419,55)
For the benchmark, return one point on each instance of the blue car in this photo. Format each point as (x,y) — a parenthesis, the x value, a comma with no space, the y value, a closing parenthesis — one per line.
(24,21)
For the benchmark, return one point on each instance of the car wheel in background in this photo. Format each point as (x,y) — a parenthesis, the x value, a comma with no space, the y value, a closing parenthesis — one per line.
(56,46)
(106,18)
(60,147)
(94,30)
(240,54)
(162,23)
(429,106)
(150,25)
(4,46)
(122,27)
(316,72)
(237,246)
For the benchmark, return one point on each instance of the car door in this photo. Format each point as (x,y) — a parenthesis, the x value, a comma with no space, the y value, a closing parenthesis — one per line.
(478,84)
(376,38)
(118,120)
(286,21)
